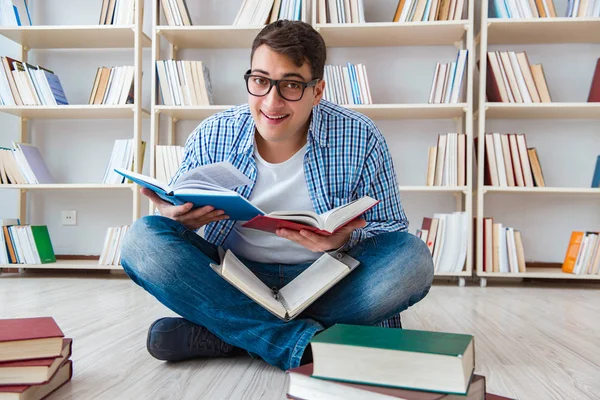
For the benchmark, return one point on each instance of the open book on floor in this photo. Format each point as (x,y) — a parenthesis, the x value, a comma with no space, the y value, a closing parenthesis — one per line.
(298,294)
(210,184)
(325,224)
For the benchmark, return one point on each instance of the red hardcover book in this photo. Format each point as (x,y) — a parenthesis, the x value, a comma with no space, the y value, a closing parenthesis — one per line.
(29,338)
(35,392)
(594,95)
(33,372)
(324,224)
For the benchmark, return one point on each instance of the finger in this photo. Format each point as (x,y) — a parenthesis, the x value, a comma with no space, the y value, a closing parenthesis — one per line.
(153,197)
(202,212)
(295,236)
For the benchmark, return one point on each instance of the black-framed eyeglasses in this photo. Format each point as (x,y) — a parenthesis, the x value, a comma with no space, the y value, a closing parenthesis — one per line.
(288,89)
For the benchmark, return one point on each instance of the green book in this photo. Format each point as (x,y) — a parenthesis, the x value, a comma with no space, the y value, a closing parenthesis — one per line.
(410,359)
(41,236)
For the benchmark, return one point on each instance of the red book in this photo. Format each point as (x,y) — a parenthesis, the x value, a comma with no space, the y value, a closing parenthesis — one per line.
(594,96)
(30,338)
(324,224)
(33,372)
(28,392)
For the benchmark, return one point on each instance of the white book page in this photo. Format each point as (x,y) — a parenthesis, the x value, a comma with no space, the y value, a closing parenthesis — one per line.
(313,282)
(222,174)
(332,219)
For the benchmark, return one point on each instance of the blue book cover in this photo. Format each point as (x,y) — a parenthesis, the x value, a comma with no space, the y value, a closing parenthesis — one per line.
(56,87)
(596,178)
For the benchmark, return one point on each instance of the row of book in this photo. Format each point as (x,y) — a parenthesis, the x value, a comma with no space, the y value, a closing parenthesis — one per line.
(14,13)
(583,253)
(583,8)
(184,83)
(111,250)
(35,360)
(118,12)
(527,9)
(122,156)
(448,80)
(168,160)
(261,12)
(340,11)
(23,164)
(347,84)
(176,12)
(446,236)
(429,10)
(22,83)
(446,163)
(512,79)
(25,244)
(113,86)
(508,161)
(502,248)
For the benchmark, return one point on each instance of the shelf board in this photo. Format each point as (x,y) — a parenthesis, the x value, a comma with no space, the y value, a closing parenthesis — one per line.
(543,30)
(70,186)
(434,189)
(461,273)
(538,272)
(85,111)
(393,33)
(209,36)
(74,37)
(66,264)
(542,110)
(541,190)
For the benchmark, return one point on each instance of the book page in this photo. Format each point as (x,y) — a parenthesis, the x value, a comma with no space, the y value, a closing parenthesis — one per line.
(340,215)
(312,283)
(301,217)
(222,174)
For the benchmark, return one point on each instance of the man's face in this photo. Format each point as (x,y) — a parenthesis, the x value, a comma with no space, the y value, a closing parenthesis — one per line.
(276,118)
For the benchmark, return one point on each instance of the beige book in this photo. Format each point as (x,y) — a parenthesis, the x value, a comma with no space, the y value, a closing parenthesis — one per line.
(431,165)
(500,159)
(168,12)
(434,83)
(419,11)
(322,12)
(533,8)
(528,77)
(347,12)
(540,82)
(432,235)
(496,247)
(497,72)
(459,11)
(95,87)
(490,154)
(527,176)
(462,151)
(510,74)
(582,12)
(439,161)
(444,9)
(520,251)
(275,11)
(508,166)
(551,9)
(451,10)
(509,92)
(353,10)
(183,12)
(433,11)
(439,89)
(516,160)
(488,262)
(11,81)
(523,90)
(538,176)
(102,85)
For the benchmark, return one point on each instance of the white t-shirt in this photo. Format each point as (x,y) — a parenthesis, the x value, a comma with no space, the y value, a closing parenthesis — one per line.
(278,187)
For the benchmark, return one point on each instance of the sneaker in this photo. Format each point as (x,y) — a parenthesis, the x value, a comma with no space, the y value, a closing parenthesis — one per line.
(176,339)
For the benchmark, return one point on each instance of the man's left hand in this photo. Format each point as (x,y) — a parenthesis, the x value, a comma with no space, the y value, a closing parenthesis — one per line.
(320,243)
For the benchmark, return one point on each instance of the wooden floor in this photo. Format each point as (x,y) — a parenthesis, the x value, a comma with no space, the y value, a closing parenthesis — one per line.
(533,340)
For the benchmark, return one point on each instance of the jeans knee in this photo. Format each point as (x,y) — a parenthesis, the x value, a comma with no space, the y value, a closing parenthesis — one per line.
(139,244)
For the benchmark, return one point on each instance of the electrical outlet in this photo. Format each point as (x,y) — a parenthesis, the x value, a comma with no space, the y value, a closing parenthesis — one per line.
(69,217)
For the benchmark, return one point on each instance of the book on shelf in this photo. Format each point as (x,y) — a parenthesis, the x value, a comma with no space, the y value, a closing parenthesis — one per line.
(289,301)
(14,13)
(168,159)
(261,12)
(26,244)
(23,164)
(446,237)
(118,12)
(22,83)
(429,10)
(522,9)
(111,250)
(446,163)
(583,253)
(502,248)
(398,358)
(512,79)
(303,386)
(583,9)
(347,84)
(340,11)
(326,223)
(113,86)
(184,83)
(594,95)
(122,156)
(176,12)
(596,174)
(448,84)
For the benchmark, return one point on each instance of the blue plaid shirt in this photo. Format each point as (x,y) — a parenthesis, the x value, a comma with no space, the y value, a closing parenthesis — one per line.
(346,158)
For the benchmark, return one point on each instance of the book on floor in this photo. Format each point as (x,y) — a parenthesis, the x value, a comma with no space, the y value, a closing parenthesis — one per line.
(34,372)
(30,338)
(289,301)
(409,359)
(209,184)
(31,392)
(326,223)
(303,386)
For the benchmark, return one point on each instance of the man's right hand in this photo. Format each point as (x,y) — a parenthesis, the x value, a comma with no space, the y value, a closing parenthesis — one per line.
(191,219)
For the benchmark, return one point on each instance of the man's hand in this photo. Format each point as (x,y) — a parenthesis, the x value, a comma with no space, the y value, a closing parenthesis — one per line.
(320,243)
(191,219)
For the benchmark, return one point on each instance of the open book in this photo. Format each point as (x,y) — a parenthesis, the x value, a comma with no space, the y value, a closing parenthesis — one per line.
(205,185)
(297,295)
(325,224)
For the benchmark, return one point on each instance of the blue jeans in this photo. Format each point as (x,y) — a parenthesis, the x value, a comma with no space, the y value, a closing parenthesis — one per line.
(172,263)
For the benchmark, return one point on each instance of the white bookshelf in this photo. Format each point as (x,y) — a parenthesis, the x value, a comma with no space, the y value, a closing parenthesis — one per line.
(31,38)
(511,32)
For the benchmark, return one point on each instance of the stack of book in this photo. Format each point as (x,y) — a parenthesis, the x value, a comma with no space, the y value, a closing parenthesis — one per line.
(523,9)
(25,244)
(583,253)
(502,248)
(113,86)
(353,362)
(583,9)
(429,10)
(34,358)
(446,163)
(168,160)
(22,83)
(340,12)
(111,251)
(184,83)
(176,12)
(118,12)
(511,79)
(347,84)
(122,156)
(446,236)
(508,161)
(448,80)
(14,13)
(23,164)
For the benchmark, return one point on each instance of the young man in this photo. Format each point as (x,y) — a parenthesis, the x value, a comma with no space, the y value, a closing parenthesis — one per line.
(301,153)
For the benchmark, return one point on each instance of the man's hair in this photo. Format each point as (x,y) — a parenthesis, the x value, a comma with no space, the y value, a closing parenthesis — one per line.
(297,40)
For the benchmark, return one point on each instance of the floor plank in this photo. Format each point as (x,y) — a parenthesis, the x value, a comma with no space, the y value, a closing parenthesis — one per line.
(533,340)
